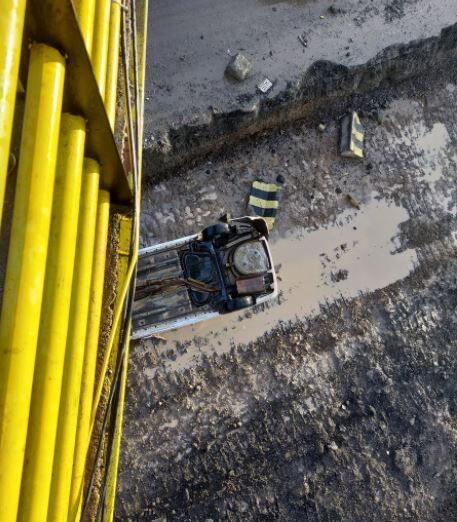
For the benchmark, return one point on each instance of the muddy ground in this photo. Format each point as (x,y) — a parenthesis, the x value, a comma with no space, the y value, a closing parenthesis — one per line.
(190,43)
(312,51)
(338,402)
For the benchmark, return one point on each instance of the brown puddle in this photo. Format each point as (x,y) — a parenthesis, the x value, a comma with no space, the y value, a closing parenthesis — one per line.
(434,147)
(352,256)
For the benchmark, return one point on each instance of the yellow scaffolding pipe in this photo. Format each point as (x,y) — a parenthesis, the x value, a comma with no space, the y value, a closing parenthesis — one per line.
(26,266)
(52,337)
(114,465)
(113,61)
(85,9)
(125,232)
(11,25)
(116,451)
(71,384)
(100,43)
(90,358)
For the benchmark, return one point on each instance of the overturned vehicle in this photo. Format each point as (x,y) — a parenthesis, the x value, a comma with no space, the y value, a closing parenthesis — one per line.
(225,268)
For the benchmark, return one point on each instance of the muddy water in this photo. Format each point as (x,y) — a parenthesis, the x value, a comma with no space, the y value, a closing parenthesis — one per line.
(433,145)
(431,149)
(352,256)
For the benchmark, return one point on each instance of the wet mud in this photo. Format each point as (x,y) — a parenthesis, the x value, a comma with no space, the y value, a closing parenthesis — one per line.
(338,402)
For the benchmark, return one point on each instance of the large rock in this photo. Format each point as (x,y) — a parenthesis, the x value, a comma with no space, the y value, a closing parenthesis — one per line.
(239,67)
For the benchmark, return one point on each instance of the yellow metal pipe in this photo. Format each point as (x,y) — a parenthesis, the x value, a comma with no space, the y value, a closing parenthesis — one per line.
(125,232)
(114,464)
(113,61)
(71,384)
(114,334)
(100,43)
(11,25)
(23,291)
(85,9)
(52,337)
(90,358)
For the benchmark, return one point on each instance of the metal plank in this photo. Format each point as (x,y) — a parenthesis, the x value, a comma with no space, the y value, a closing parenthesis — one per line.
(54,22)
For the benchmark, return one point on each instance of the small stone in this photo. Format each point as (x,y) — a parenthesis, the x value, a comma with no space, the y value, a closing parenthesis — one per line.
(239,67)
(280,179)
(353,202)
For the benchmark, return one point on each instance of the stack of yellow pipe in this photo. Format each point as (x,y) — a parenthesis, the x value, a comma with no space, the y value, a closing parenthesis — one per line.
(52,300)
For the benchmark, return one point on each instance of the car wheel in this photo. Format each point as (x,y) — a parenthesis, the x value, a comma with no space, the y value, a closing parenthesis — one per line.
(209,233)
(239,303)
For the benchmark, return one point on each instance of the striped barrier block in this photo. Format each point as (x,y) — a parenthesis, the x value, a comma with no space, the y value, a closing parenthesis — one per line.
(351,143)
(263,199)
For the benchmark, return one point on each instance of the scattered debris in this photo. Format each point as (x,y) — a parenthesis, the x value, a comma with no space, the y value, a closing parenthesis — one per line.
(159,338)
(265,85)
(239,67)
(225,218)
(280,179)
(336,10)
(351,142)
(263,199)
(353,202)
(340,275)
(322,127)
(303,40)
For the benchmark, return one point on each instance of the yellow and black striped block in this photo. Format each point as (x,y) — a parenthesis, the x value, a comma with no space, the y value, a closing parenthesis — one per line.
(263,200)
(351,143)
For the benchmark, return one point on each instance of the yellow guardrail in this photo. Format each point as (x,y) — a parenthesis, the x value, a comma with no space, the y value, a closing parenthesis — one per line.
(69,174)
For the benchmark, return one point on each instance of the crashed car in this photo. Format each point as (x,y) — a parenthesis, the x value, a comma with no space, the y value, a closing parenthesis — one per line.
(225,268)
